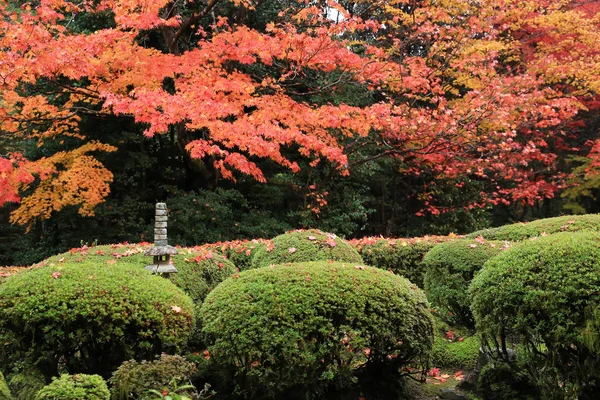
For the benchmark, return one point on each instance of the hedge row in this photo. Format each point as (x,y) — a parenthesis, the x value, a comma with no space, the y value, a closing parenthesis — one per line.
(525,230)
(401,256)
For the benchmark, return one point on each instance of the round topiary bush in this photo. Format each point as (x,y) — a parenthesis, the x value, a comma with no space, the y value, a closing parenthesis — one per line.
(75,387)
(310,326)
(90,318)
(402,256)
(134,380)
(545,295)
(305,245)
(449,268)
(525,230)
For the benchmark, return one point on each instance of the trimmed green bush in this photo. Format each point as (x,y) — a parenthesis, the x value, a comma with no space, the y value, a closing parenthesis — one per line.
(402,256)
(302,246)
(449,269)
(455,354)
(241,253)
(133,380)
(525,230)
(90,317)
(26,384)
(545,294)
(4,391)
(75,387)
(307,327)
(197,277)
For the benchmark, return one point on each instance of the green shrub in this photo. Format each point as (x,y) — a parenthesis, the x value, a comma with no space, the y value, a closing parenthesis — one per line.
(26,384)
(544,294)
(302,246)
(455,354)
(4,391)
(90,317)
(131,254)
(75,387)
(521,231)
(402,256)
(309,326)
(134,380)
(505,381)
(449,269)
(197,277)
(241,253)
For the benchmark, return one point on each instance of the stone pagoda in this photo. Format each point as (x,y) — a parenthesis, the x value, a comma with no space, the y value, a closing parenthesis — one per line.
(161,251)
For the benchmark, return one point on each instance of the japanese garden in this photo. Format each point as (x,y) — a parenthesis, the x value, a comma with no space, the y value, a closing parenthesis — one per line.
(299,199)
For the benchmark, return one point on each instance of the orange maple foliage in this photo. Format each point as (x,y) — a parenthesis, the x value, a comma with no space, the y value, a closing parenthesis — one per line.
(462,89)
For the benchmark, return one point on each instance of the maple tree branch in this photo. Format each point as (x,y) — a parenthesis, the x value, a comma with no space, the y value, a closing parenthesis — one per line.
(192,20)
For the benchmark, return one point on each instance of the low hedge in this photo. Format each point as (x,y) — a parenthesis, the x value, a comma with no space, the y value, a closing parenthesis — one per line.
(134,380)
(544,294)
(449,268)
(307,327)
(525,230)
(75,387)
(89,317)
(239,252)
(305,245)
(402,256)
(455,354)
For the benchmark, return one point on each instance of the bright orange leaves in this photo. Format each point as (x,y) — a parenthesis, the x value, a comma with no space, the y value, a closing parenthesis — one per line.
(460,89)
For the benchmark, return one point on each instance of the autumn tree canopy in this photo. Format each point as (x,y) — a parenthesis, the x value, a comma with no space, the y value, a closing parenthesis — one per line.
(489,91)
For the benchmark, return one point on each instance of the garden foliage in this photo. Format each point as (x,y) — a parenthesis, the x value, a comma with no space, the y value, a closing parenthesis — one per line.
(525,230)
(402,256)
(75,387)
(239,252)
(4,391)
(506,381)
(544,295)
(90,317)
(305,245)
(311,326)
(461,354)
(133,380)
(24,385)
(449,269)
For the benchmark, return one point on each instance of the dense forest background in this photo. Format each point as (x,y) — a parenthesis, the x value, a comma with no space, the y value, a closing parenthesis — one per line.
(380,196)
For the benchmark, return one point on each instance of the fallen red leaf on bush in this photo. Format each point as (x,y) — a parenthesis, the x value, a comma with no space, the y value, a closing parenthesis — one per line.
(449,335)
(434,372)
(56,275)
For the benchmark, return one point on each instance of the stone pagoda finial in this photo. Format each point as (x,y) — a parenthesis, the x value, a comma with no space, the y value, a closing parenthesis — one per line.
(161,251)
